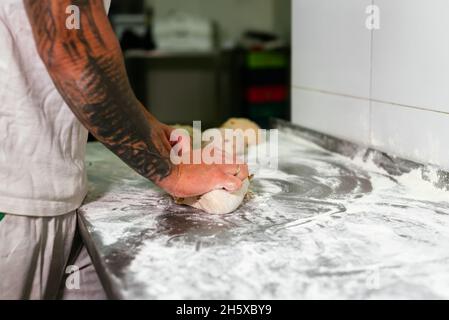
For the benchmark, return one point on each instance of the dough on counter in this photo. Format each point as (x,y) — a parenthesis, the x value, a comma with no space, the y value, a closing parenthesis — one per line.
(218,201)
(240,138)
(243,124)
(221,144)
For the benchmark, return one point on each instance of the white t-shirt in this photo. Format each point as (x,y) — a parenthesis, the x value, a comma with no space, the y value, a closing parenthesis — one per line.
(42,144)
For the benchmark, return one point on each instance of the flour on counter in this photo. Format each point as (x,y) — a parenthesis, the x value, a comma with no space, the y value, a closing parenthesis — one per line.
(322,226)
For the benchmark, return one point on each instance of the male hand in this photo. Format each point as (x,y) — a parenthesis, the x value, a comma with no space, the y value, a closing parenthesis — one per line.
(160,135)
(189,180)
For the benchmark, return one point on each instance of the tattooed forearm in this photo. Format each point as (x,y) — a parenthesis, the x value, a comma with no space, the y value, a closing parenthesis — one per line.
(87,68)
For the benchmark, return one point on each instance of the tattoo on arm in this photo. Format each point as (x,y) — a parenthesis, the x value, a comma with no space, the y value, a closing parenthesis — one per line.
(88,70)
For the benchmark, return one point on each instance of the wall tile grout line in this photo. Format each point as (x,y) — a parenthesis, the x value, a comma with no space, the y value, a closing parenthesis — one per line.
(330,92)
(368,99)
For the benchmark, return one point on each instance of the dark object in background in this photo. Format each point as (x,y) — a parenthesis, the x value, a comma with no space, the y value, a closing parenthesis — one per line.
(260,40)
(212,87)
(127,7)
(262,88)
(133,24)
(261,36)
(183,87)
(130,40)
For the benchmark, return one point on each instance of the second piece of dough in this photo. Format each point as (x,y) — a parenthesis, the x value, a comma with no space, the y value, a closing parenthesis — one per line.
(218,201)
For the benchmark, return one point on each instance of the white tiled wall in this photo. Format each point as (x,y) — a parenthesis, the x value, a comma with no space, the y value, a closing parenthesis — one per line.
(331,45)
(413,134)
(411,54)
(346,119)
(387,88)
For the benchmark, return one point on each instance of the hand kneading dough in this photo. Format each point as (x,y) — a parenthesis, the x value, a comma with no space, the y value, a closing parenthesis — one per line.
(218,201)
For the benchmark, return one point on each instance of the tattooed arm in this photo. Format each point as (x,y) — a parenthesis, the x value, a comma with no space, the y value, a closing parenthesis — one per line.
(87,67)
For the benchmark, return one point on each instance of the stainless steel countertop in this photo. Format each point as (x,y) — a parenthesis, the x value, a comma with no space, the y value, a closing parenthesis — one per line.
(322,226)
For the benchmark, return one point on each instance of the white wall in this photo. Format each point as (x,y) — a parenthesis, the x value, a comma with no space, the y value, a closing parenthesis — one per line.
(234,16)
(386,88)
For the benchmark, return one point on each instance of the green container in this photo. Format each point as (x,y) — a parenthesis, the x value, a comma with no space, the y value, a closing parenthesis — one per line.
(267,60)
(2,215)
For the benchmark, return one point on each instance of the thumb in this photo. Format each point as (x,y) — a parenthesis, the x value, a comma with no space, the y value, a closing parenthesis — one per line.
(229,183)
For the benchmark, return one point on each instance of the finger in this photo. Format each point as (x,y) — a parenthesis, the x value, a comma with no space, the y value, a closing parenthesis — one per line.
(166,143)
(229,183)
(238,170)
(167,130)
(231,169)
(244,173)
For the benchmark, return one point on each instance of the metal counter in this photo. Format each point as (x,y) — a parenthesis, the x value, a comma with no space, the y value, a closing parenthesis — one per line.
(322,226)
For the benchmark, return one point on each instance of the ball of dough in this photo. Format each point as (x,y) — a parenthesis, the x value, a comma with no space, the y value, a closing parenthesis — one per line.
(218,201)
(243,124)
(237,149)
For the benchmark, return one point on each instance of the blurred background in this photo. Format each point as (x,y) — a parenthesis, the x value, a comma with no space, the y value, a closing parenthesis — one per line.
(374,72)
(207,60)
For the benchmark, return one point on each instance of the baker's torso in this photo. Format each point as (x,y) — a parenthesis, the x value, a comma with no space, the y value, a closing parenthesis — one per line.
(42,144)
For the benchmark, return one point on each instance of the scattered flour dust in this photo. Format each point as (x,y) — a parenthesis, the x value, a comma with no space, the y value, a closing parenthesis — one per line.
(296,244)
(413,184)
